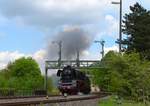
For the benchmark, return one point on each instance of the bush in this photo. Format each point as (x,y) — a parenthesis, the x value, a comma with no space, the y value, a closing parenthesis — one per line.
(124,74)
(23,73)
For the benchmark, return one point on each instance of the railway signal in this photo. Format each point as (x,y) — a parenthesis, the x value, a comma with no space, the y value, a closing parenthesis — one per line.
(102,42)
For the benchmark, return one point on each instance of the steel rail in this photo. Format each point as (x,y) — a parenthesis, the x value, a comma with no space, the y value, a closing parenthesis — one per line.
(34,96)
(54,99)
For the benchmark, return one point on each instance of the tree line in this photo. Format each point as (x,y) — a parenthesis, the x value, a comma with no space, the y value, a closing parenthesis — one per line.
(136,27)
(128,73)
(123,74)
(23,74)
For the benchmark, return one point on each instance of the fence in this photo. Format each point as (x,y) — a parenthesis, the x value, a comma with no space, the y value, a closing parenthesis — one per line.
(24,92)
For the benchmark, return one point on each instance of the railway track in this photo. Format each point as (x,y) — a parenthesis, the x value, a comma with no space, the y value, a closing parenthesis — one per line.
(17,97)
(51,99)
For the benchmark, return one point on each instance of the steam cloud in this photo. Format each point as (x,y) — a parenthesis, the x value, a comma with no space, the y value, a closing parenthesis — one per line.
(73,39)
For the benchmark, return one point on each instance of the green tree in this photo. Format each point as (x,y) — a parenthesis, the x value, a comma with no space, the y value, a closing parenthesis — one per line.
(3,81)
(24,73)
(124,74)
(137,28)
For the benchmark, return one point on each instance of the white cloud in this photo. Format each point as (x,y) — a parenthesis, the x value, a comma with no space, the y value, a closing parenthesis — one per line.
(113,25)
(110,28)
(53,13)
(39,55)
(113,48)
(50,13)
(109,18)
(7,56)
(88,55)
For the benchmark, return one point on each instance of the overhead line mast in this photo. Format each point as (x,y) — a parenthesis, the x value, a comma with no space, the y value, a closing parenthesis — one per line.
(119,41)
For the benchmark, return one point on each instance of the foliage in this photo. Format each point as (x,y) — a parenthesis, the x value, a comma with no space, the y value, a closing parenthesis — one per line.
(124,74)
(137,28)
(112,101)
(3,81)
(23,73)
(50,85)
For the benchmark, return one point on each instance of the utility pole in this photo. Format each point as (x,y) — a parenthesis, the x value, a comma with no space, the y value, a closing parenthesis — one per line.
(46,77)
(59,63)
(102,52)
(102,44)
(119,41)
(78,58)
(59,52)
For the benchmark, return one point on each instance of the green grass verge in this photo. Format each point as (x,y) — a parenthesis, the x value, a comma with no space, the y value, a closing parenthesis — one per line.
(111,101)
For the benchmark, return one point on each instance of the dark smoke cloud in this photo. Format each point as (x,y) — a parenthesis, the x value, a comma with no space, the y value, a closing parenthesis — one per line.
(73,39)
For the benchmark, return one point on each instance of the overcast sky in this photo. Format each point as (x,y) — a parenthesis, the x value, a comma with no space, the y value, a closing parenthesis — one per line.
(26,25)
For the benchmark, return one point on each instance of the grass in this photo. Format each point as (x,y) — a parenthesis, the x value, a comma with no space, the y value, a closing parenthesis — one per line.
(111,101)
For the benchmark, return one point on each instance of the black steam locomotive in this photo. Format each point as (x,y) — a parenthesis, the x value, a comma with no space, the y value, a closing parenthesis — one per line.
(73,81)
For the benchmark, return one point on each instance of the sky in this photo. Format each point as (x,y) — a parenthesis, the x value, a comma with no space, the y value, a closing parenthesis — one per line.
(27,26)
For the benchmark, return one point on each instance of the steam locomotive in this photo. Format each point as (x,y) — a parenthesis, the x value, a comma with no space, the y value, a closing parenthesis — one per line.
(73,81)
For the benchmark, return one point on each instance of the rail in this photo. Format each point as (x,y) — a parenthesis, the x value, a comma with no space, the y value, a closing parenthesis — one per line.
(48,100)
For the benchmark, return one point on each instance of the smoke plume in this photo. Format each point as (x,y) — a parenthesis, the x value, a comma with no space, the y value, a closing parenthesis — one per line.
(73,39)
